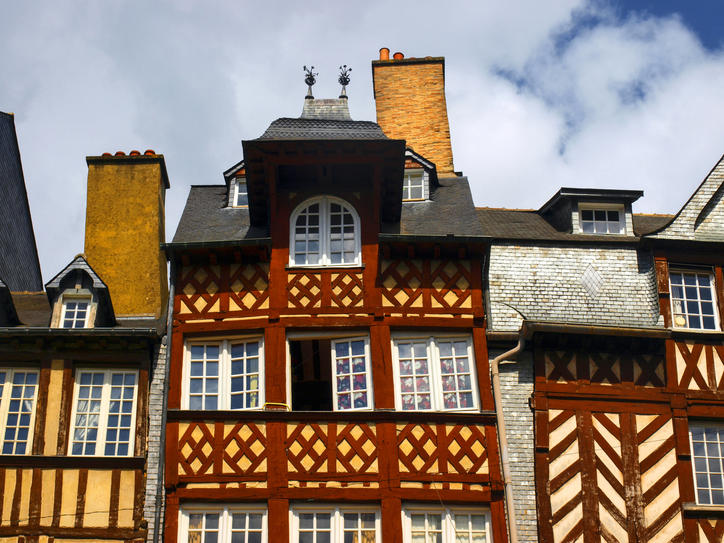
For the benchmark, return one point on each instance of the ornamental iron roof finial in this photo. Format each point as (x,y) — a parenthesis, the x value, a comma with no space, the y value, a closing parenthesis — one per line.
(344,79)
(310,79)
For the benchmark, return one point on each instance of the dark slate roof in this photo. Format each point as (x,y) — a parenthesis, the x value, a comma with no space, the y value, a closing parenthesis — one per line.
(207,219)
(288,128)
(450,210)
(33,309)
(528,224)
(645,224)
(78,263)
(19,264)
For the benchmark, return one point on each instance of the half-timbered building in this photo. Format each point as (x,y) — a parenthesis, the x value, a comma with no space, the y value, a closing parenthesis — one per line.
(329,377)
(76,364)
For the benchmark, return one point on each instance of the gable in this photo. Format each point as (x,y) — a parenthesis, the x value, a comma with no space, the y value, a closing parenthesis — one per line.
(702,217)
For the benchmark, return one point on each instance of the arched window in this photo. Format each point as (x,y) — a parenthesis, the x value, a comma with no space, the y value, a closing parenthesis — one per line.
(324,232)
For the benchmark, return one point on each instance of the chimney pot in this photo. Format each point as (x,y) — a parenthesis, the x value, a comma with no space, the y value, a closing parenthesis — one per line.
(135,153)
(149,152)
(120,153)
(398,56)
(107,154)
(384,54)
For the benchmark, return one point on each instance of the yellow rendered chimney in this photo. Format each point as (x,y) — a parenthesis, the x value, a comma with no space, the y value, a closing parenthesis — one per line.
(124,229)
(410,102)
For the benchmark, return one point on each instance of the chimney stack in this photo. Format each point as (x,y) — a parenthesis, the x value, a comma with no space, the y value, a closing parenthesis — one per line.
(410,101)
(124,229)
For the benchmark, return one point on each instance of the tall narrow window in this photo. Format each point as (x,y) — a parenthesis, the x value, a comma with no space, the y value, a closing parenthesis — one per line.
(707,454)
(223,375)
(435,374)
(18,390)
(240,197)
(693,299)
(324,232)
(104,413)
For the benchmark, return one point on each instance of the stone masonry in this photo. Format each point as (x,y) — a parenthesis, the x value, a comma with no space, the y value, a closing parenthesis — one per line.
(516,384)
(155,446)
(410,102)
(548,282)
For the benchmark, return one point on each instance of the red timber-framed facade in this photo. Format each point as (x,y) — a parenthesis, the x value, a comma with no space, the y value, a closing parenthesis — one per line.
(403,441)
(628,420)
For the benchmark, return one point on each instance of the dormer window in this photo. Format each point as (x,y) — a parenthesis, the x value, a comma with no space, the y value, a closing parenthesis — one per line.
(414,185)
(602,219)
(240,196)
(325,231)
(75,313)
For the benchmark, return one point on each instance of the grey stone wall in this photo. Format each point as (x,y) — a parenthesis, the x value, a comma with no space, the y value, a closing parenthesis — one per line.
(599,285)
(516,384)
(155,447)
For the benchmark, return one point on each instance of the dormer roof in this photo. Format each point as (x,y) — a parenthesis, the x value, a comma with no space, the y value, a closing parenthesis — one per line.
(702,216)
(8,315)
(80,272)
(566,194)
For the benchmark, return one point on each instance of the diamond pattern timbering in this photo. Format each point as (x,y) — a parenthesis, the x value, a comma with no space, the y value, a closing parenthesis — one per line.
(249,285)
(198,289)
(325,290)
(414,284)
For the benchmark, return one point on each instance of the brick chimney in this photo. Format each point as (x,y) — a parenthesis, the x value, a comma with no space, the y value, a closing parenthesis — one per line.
(410,100)
(124,229)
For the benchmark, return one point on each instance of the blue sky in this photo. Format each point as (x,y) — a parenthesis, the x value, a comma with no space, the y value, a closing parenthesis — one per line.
(577,93)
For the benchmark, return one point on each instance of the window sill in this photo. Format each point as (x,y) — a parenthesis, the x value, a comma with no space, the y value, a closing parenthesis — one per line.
(696,332)
(331,267)
(695,510)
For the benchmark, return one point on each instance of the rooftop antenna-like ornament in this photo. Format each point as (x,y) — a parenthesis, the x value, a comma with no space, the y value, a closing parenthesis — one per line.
(344,79)
(310,79)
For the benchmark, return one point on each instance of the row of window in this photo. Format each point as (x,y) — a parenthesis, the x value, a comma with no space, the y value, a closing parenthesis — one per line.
(359,524)
(432,373)
(103,420)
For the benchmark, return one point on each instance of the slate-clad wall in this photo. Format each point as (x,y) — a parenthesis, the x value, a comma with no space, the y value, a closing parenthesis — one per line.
(548,283)
(155,447)
(19,267)
(516,384)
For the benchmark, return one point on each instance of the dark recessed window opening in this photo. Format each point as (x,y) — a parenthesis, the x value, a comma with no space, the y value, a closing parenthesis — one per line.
(311,364)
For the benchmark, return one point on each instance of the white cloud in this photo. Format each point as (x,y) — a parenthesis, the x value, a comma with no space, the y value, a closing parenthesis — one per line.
(632,103)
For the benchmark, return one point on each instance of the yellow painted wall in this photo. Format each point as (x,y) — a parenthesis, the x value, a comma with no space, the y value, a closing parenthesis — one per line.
(124,228)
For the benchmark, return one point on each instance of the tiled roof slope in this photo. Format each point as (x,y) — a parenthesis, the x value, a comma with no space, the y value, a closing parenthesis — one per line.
(702,217)
(288,128)
(525,224)
(207,218)
(19,264)
(450,210)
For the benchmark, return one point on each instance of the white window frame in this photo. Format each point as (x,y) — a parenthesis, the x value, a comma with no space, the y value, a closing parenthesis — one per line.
(6,399)
(325,260)
(336,522)
(586,206)
(673,300)
(334,337)
(64,309)
(712,477)
(407,185)
(435,370)
(236,192)
(104,413)
(225,519)
(448,524)
(225,361)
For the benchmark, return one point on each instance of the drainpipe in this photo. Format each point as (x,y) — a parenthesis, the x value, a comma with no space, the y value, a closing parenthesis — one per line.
(160,490)
(503,438)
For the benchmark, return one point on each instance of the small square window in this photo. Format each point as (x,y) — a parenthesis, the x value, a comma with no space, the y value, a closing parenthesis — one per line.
(707,459)
(693,299)
(240,196)
(413,185)
(604,220)
(75,313)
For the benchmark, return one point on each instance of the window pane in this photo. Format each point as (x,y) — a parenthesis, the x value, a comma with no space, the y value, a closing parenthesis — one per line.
(413,362)
(692,304)
(351,369)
